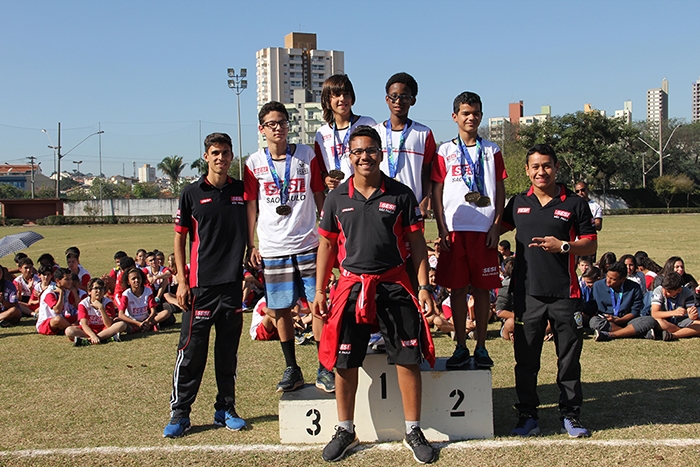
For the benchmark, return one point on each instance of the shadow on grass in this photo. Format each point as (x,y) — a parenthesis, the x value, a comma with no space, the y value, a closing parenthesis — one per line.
(609,404)
(250,422)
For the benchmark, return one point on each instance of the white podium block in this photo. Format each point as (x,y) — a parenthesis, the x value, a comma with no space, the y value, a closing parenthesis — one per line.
(456,405)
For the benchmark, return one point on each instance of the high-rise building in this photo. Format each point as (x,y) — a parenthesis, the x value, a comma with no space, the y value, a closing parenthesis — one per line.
(147,174)
(297,65)
(626,113)
(657,103)
(696,101)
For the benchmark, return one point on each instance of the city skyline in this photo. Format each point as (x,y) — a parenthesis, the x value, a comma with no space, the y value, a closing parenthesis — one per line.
(152,84)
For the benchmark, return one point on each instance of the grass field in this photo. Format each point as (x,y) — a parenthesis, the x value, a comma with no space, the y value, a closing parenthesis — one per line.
(640,396)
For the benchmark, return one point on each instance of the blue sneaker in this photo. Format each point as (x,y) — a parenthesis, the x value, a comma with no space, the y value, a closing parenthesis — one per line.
(230,419)
(573,427)
(177,427)
(527,426)
(325,380)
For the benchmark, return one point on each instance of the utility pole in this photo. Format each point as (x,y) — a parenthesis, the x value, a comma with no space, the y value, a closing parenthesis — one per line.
(31,160)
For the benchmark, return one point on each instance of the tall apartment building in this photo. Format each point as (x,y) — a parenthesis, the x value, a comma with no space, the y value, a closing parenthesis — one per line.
(626,113)
(147,174)
(297,65)
(657,103)
(500,126)
(696,101)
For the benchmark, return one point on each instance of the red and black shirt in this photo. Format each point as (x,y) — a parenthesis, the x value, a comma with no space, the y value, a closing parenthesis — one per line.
(217,223)
(565,217)
(371,231)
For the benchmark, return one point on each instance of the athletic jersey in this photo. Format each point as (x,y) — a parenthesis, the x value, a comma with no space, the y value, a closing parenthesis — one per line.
(371,232)
(84,275)
(48,300)
(157,284)
(25,288)
(257,317)
(281,235)
(461,216)
(418,150)
(327,139)
(92,314)
(138,308)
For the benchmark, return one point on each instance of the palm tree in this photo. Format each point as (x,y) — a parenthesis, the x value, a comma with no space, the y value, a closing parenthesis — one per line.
(200,165)
(172,167)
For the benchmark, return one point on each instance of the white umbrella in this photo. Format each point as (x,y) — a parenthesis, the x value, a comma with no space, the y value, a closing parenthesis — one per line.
(17,242)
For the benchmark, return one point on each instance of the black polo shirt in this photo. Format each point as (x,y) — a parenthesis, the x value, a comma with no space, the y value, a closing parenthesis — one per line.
(371,232)
(565,217)
(217,223)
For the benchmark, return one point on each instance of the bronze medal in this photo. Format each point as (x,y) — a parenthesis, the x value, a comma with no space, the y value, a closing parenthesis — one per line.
(336,174)
(472,197)
(284,210)
(483,201)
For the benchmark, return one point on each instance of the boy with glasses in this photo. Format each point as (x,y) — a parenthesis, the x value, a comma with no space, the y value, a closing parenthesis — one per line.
(284,182)
(97,318)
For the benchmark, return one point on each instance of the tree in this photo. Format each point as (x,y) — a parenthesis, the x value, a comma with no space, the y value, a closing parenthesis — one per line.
(8,191)
(200,165)
(145,190)
(514,160)
(172,167)
(233,171)
(668,185)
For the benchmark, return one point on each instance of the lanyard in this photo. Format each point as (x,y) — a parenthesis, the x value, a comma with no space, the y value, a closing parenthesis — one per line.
(394,161)
(344,144)
(616,299)
(476,167)
(586,292)
(282,185)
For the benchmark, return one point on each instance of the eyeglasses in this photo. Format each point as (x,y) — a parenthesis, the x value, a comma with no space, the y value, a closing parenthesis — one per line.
(98,289)
(405,98)
(274,125)
(583,190)
(371,151)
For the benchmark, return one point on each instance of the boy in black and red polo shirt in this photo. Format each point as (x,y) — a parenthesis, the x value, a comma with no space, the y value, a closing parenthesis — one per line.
(548,219)
(213,212)
(366,224)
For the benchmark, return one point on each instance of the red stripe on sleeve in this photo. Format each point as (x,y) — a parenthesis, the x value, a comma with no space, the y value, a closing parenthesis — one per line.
(250,185)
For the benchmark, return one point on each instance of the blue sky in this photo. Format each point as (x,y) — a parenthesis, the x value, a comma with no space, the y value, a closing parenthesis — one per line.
(152,72)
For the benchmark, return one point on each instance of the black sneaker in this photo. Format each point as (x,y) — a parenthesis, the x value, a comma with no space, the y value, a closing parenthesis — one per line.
(291,379)
(459,358)
(423,452)
(339,445)
(481,357)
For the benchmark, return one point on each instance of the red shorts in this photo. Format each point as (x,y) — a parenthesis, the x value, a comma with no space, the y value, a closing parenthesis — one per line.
(46,329)
(262,334)
(468,262)
(96,328)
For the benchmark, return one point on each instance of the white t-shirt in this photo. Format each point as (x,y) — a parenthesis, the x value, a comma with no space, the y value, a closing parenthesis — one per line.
(93,315)
(327,138)
(25,288)
(596,211)
(137,307)
(418,150)
(257,317)
(295,233)
(461,216)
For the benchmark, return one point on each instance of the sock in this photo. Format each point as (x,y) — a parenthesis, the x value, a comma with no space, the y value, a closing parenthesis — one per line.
(412,424)
(290,358)
(347,425)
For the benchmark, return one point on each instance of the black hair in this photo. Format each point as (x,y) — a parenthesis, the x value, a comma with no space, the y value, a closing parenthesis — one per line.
(140,250)
(120,254)
(618,267)
(24,261)
(624,258)
(272,106)
(669,265)
(335,86)
(544,149)
(606,260)
(126,262)
(508,265)
(672,281)
(127,273)
(592,273)
(60,273)
(403,78)
(72,255)
(73,249)
(469,98)
(45,270)
(46,258)
(220,139)
(505,244)
(365,130)
(96,280)
(19,256)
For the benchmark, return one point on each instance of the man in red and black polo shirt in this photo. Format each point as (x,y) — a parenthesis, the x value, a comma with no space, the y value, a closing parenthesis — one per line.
(548,218)
(366,224)
(212,211)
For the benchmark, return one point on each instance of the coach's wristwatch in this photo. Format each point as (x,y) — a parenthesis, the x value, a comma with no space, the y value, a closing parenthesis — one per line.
(565,247)
(429,288)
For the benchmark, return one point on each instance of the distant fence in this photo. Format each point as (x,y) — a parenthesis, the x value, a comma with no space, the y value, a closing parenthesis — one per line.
(121,207)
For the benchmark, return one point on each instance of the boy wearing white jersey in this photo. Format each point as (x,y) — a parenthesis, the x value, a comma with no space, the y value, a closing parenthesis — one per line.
(284,182)
(337,99)
(408,146)
(468,200)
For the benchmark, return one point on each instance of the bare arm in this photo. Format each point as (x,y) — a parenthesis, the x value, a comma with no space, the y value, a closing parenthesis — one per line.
(439,212)
(327,251)
(319,198)
(253,259)
(183,287)
(495,231)
(419,254)
(598,223)
(580,247)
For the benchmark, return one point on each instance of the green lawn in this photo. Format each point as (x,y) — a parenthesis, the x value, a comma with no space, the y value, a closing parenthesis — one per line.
(54,396)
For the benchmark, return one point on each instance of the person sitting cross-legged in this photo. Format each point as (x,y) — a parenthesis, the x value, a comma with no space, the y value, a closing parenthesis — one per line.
(96,314)
(620,302)
(673,307)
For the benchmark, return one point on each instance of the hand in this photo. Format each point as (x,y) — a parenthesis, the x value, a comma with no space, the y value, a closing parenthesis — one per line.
(680,312)
(319,308)
(253,260)
(145,325)
(183,295)
(94,340)
(549,244)
(427,305)
(445,241)
(693,313)
(492,236)
(331,183)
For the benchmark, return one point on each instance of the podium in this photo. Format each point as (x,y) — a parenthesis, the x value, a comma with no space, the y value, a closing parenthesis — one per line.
(456,405)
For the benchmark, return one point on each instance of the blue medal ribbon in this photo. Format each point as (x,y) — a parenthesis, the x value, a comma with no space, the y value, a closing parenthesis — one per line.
(586,292)
(344,144)
(282,185)
(394,161)
(477,181)
(616,298)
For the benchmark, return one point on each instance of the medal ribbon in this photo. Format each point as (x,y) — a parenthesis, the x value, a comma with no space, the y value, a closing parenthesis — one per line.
(344,144)
(394,161)
(282,185)
(616,298)
(476,168)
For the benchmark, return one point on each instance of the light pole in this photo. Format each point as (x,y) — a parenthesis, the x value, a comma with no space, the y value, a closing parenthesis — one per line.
(659,151)
(238,85)
(60,156)
(78,168)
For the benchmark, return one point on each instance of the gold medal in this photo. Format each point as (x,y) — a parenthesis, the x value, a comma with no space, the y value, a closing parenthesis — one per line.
(483,201)
(283,210)
(472,197)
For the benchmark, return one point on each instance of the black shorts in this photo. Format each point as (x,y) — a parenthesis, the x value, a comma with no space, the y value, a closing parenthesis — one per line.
(399,322)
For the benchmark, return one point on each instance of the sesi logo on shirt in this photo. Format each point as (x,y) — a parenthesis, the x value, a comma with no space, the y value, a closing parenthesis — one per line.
(261,170)
(523,211)
(387,207)
(236,200)
(561,214)
(458,170)
(296,185)
(203,314)
(205,201)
